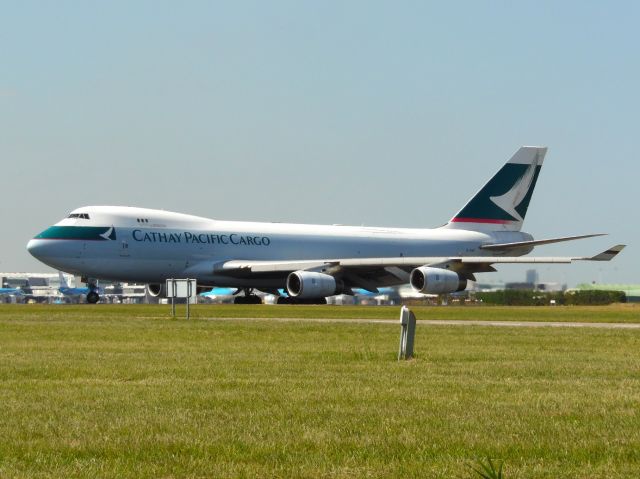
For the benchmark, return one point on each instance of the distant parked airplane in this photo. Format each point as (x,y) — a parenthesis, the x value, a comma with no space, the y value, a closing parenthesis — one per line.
(309,261)
(11,292)
(220,293)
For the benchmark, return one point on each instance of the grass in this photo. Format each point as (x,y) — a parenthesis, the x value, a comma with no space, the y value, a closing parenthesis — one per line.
(115,391)
(617,313)
(487,470)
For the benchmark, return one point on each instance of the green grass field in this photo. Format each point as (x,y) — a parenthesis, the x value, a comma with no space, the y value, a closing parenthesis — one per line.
(617,313)
(124,391)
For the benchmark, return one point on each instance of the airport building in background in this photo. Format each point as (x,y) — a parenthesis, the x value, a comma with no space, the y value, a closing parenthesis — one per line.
(44,288)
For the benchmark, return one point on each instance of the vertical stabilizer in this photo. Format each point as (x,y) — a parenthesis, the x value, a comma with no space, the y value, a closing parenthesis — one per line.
(63,280)
(502,203)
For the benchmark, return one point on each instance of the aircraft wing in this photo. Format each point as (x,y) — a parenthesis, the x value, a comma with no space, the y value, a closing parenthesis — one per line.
(393,264)
(520,244)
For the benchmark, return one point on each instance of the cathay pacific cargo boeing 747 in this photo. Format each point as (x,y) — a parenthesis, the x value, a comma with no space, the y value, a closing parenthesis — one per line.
(310,262)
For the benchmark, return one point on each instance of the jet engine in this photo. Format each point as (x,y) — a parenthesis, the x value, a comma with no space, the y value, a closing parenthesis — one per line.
(157,290)
(436,280)
(309,284)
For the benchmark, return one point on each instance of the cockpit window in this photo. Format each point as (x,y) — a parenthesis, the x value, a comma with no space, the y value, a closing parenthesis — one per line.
(82,216)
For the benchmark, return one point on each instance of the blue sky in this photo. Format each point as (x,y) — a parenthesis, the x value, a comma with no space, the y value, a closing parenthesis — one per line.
(375,113)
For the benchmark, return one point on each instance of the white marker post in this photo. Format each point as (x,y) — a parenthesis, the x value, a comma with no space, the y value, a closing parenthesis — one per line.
(407,333)
(181,288)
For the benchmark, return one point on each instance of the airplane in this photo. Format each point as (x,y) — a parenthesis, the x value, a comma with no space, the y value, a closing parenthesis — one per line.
(92,293)
(220,294)
(367,293)
(310,262)
(11,292)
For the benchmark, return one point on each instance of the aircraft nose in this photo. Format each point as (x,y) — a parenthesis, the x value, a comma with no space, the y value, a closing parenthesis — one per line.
(37,248)
(58,254)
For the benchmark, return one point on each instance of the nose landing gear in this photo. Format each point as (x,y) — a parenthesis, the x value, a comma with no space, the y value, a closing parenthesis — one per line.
(92,296)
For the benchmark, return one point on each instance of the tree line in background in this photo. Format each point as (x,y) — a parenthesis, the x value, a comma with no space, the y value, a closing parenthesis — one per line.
(513,297)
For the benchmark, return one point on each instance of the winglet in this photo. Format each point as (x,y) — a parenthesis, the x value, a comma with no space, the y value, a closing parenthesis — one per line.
(609,254)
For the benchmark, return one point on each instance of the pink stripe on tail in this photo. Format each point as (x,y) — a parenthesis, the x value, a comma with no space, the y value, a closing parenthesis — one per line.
(480,220)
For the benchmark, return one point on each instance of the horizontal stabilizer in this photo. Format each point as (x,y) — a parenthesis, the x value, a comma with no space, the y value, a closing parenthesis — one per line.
(609,254)
(520,244)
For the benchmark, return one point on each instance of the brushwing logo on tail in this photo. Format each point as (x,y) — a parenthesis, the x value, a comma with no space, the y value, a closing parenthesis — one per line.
(505,198)
(509,201)
(110,234)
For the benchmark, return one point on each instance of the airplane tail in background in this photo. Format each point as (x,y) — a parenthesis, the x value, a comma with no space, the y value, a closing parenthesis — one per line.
(502,203)
(63,280)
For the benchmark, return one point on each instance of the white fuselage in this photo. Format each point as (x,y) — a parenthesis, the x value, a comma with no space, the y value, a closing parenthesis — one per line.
(146,245)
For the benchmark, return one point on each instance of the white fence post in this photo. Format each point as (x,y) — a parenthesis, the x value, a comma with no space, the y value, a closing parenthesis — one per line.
(407,333)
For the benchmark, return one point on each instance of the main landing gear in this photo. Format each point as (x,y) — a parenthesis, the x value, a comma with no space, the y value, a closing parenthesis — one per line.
(290,300)
(248,298)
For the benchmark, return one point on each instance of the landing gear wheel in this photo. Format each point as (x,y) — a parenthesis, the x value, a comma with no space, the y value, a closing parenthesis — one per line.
(251,299)
(248,298)
(93,297)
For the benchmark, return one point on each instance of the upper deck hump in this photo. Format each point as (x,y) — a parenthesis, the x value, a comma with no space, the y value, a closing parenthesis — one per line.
(135,217)
(130,215)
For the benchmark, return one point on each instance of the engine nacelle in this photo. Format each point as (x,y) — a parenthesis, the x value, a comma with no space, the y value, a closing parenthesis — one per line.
(158,290)
(308,284)
(436,280)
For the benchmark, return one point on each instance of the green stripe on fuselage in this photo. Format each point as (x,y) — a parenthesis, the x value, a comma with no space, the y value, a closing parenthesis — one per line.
(87,233)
